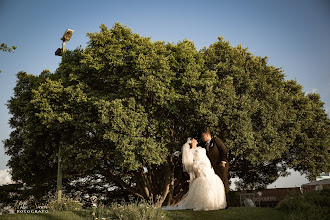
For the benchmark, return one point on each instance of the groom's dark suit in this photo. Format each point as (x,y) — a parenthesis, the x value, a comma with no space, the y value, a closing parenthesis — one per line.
(217,152)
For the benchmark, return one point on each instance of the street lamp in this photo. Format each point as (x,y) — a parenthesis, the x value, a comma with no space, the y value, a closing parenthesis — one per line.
(259,196)
(59,52)
(66,37)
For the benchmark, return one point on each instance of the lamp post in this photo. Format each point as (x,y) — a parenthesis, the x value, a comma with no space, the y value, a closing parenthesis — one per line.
(66,37)
(259,196)
(59,52)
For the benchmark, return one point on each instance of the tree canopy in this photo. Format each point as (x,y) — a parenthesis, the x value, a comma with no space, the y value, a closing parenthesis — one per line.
(123,106)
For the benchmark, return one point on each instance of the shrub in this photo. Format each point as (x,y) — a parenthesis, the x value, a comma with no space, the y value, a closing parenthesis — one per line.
(309,206)
(66,204)
(234,199)
(138,210)
(320,198)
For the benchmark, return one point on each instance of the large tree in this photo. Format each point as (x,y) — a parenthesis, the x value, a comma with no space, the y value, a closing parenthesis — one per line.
(122,107)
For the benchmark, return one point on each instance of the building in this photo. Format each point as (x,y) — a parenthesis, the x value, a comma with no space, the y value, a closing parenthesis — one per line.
(323,176)
(316,185)
(267,197)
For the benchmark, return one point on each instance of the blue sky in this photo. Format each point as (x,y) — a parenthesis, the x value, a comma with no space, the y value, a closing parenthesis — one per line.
(294,34)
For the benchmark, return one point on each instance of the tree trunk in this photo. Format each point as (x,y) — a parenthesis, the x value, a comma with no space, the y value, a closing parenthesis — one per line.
(166,183)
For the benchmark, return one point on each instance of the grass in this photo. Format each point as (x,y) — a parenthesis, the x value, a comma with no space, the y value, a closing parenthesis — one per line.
(58,215)
(234,213)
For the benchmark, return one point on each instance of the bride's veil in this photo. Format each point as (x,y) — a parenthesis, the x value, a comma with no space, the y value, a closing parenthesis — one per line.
(187,156)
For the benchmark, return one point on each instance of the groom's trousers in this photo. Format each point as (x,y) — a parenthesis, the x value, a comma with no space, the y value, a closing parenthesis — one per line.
(222,172)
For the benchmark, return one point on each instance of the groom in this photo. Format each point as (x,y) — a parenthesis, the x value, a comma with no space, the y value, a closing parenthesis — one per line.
(217,153)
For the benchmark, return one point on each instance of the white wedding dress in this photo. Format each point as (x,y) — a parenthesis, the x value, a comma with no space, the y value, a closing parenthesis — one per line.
(206,189)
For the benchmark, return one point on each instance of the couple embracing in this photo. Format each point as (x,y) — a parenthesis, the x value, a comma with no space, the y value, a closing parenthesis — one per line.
(207,166)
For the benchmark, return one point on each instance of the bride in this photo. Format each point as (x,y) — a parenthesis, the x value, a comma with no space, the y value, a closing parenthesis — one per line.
(206,189)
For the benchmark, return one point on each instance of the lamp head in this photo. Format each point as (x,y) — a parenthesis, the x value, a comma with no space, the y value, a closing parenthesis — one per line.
(67,35)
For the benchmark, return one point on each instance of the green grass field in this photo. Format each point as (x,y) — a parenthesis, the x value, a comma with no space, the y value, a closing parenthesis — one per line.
(72,215)
(235,213)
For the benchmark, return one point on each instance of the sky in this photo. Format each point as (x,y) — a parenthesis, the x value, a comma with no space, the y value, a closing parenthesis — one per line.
(293,34)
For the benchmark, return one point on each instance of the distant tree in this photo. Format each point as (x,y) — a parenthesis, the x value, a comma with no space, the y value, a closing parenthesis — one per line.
(122,107)
(5,48)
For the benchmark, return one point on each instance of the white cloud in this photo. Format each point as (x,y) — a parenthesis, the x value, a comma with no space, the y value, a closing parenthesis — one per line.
(295,179)
(5,177)
(327,110)
(313,91)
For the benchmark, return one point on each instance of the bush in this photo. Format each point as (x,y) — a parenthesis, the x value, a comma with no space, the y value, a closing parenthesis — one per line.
(234,199)
(138,210)
(309,206)
(66,204)
(320,198)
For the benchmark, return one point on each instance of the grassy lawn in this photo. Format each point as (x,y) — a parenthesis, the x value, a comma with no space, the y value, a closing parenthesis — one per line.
(235,213)
(65,215)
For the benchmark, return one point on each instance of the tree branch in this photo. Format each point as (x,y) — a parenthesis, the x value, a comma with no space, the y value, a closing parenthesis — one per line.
(120,182)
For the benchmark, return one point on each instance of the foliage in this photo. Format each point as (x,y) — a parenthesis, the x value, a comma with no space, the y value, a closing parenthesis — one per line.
(137,210)
(9,193)
(66,204)
(270,124)
(120,108)
(72,215)
(311,205)
(29,148)
(233,199)
(18,196)
(5,48)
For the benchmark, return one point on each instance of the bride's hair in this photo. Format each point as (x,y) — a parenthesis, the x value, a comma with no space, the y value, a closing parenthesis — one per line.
(189,141)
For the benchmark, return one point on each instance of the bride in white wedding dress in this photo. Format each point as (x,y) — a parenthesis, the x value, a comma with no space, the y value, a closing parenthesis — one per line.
(206,189)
